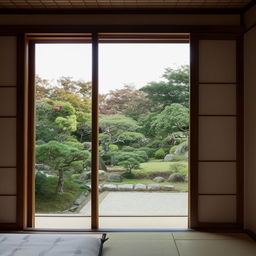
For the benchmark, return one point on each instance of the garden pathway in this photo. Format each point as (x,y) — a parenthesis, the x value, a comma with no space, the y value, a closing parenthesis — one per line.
(141,203)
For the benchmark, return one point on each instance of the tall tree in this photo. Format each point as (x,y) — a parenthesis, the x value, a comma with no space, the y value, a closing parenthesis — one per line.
(175,88)
(173,118)
(60,157)
(127,101)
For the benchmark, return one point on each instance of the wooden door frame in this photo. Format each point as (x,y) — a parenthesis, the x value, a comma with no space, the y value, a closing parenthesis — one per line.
(193,186)
(39,38)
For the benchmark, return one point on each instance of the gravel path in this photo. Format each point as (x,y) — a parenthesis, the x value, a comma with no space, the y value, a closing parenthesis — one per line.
(141,203)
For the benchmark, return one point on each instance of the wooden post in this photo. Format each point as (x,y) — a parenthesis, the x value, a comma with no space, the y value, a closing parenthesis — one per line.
(95,137)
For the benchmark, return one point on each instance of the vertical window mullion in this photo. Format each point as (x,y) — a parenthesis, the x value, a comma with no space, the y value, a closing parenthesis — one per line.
(95,136)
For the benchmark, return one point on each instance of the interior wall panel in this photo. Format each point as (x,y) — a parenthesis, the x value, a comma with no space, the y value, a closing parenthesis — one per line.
(8,209)
(8,57)
(217,99)
(250,121)
(217,209)
(216,163)
(8,129)
(8,181)
(217,61)
(8,142)
(217,138)
(8,101)
(217,178)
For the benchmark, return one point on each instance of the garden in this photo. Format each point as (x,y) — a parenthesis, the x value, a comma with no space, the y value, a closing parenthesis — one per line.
(143,139)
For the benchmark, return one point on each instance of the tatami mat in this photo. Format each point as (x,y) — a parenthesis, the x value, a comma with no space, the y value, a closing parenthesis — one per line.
(144,244)
(179,244)
(207,235)
(235,247)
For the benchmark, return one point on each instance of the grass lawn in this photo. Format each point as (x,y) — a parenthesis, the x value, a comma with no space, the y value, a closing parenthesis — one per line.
(154,167)
(48,201)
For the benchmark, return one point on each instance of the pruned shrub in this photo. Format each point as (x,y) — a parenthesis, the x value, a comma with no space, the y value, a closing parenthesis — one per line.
(176,167)
(150,151)
(160,154)
(176,177)
(128,175)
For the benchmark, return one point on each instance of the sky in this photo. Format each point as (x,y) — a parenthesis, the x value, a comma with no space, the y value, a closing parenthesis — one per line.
(119,64)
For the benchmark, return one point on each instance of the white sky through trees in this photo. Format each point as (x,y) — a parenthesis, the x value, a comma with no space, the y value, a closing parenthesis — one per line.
(119,64)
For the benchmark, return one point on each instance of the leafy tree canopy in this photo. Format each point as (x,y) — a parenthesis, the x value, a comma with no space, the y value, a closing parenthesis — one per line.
(174,90)
(173,118)
(60,156)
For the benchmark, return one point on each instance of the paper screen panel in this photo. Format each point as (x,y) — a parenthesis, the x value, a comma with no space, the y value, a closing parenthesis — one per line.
(217,178)
(217,61)
(8,209)
(217,209)
(217,138)
(217,99)
(7,181)
(7,101)
(8,62)
(8,142)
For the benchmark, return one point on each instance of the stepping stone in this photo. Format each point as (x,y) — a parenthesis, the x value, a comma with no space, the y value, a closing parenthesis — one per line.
(125,187)
(109,187)
(167,187)
(153,187)
(140,187)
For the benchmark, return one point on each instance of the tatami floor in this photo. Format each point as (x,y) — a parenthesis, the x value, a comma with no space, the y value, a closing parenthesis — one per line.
(179,244)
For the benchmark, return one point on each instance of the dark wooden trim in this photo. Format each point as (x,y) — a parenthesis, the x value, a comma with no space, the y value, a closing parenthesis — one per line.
(8,195)
(201,11)
(217,161)
(224,31)
(31,133)
(193,136)
(240,130)
(8,226)
(218,83)
(95,136)
(250,28)
(250,5)
(251,234)
(218,225)
(8,86)
(221,115)
(21,137)
(210,194)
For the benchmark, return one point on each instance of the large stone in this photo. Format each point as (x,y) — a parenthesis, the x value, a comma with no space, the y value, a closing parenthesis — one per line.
(168,157)
(109,187)
(140,187)
(159,179)
(80,199)
(102,173)
(85,176)
(125,187)
(167,187)
(153,187)
(181,148)
(115,177)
